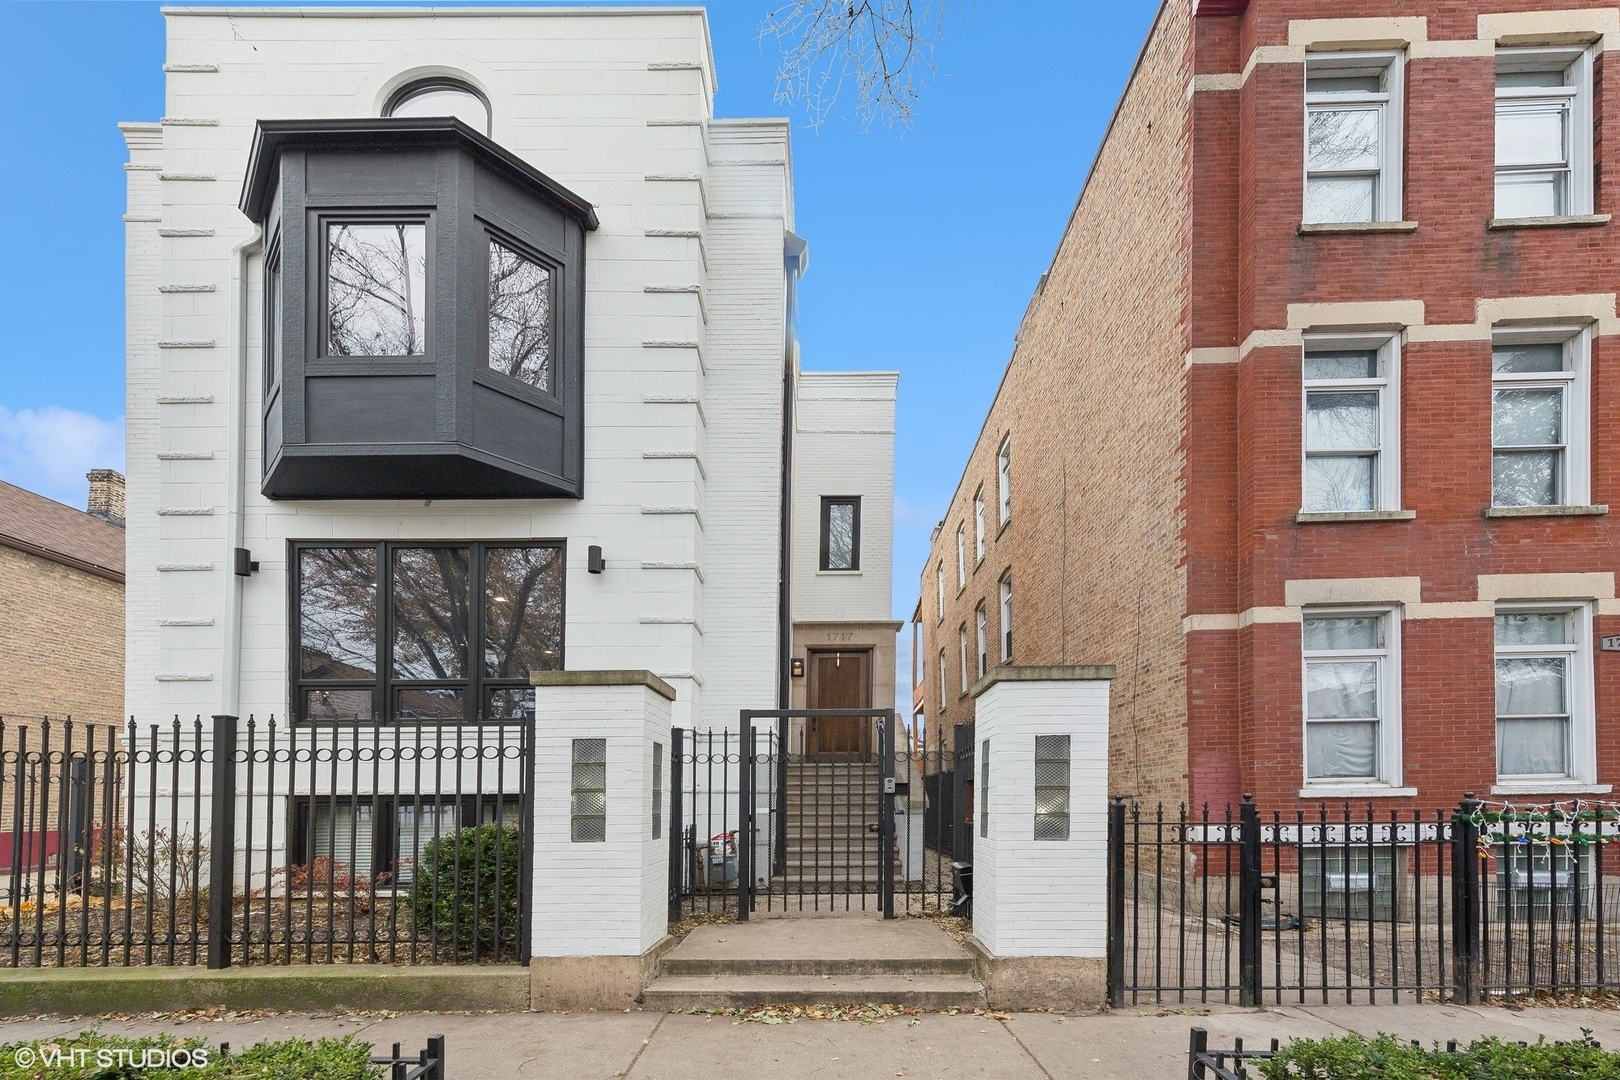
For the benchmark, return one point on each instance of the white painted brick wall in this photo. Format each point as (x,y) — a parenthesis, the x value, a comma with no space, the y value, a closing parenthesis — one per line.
(1042,897)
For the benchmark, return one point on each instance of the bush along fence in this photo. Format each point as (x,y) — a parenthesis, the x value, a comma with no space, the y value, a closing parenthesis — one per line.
(233,842)
(1485,901)
(1353,1056)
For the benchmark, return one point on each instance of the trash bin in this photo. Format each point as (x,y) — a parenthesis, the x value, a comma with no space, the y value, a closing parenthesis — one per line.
(962,898)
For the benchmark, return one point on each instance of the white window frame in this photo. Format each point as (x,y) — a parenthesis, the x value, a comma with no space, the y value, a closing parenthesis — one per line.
(1390,765)
(1582,748)
(1575,471)
(982,639)
(1006,619)
(1004,481)
(944,692)
(978,526)
(1391,69)
(962,646)
(1386,494)
(1577,92)
(939,589)
(961,556)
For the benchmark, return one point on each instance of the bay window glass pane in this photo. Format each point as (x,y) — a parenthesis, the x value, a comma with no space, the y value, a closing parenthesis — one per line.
(523,611)
(430,703)
(1341,420)
(840,535)
(1362,364)
(376,289)
(1342,140)
(1531,134)
(1525,477)
(1531,416)
(1338,483)
(1527,359)
(1533,628)
(519,317)
(1532,747)
(430,607)
(1537,194)
(337,613)
(1341,633)
(1341,750)
(1341,689)
(1531,686)
(338,704)
(1347,198)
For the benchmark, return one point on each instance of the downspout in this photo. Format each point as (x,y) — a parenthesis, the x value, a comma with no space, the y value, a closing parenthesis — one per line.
(795,257)
(236,473)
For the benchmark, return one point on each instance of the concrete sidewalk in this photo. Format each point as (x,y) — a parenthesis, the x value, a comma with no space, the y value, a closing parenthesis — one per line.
(1124,1045)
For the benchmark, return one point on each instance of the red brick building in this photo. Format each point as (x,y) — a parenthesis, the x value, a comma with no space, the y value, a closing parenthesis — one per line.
(1311,424)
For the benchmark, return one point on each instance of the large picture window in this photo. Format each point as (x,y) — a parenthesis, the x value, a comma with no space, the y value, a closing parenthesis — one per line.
(404,631)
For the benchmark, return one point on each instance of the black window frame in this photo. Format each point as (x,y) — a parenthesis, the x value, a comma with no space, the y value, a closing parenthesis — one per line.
(273,284)
(384,869)
(384,686)
(323,360)
(827,503)
(440,82)
(550,398)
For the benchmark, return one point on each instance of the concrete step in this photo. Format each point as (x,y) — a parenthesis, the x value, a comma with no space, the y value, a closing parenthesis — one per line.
(675,992)
(814,966)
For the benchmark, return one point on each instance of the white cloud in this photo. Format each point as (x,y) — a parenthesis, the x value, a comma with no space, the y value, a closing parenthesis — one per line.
(49,450)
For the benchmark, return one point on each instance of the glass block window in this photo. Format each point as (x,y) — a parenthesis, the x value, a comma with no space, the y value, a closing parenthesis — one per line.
(588,806)
(1051,787)
(658,791)
(984,788)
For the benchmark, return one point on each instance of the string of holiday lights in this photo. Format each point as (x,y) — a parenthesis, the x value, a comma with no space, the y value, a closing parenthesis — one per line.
(1576,823)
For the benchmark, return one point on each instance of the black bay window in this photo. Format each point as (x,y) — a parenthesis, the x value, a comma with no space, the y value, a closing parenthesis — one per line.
(425,303)
(423,631)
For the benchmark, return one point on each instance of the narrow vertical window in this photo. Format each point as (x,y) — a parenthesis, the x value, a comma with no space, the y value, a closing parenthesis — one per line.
(376,289)
(1350,427)
(961,556)
(1352,138)
(939,589)
(942,690)
(1006,619)
(588,803)
(980,628)
(1349,695)
(1051,787)
(978,526)
(984,789)
(840,532)
(1543,133)
(1538,420)
(658,791)
(962,648)
(1004,480)
(519,317)
(1540,673)
(273,314)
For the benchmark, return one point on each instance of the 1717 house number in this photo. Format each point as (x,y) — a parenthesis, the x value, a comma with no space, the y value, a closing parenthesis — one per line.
(1610,643)
(849,635)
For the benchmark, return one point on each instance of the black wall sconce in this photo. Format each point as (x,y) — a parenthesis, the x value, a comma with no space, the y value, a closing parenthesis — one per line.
(796,667)
(593,559)
(245,563)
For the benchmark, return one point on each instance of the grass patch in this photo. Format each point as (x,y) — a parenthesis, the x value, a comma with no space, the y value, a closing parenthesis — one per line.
(1356,1057)
(90,1055)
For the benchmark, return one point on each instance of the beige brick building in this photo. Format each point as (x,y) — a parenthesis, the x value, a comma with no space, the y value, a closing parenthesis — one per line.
(62,605)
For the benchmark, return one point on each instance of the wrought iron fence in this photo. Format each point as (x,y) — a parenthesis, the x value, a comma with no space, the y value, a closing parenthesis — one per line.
(1358,904)
(249,843)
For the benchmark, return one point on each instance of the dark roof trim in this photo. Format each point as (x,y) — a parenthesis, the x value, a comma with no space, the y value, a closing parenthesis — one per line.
(28,548)
(271,137)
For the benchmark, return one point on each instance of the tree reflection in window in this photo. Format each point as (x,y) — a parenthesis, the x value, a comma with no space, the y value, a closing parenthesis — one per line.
(376,289)
(337,601)
(519,317)
(429,608)
(522,612)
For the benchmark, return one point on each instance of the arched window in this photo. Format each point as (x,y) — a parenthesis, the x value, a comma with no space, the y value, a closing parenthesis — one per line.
(441,97)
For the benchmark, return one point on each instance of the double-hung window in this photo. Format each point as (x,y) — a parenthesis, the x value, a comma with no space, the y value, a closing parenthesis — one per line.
(978,526)
(962,649)
(1539,453)
(939,589)
(942,690)
(1004,481)
(1543,687)
(979,627)
(1353,138)
(961,555)
(1352,460)
(1543,133)
(1352,697)
(1006,619)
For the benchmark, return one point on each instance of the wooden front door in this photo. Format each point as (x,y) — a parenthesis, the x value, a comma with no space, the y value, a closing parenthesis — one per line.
(840,680)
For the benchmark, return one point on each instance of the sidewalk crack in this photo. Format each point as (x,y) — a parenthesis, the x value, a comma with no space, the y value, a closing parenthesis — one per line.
(1027,1051)
(642,1049)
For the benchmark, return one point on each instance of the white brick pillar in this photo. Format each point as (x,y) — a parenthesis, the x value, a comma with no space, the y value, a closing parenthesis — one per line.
(1040,883)
(600,907)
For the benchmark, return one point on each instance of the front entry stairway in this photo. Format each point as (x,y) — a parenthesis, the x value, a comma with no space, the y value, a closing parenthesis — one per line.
(816,960)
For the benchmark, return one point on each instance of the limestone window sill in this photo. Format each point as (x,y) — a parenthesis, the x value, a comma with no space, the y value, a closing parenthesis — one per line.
(838,573)
(1319,228)
(1546,511)
(1336,516)
(1357,791)
(1563,221)
(1552,787)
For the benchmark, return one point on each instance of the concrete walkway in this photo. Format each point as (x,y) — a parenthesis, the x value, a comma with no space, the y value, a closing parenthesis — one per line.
(1126,1045)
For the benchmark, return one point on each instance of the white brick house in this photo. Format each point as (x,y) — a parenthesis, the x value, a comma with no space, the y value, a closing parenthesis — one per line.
(680,300)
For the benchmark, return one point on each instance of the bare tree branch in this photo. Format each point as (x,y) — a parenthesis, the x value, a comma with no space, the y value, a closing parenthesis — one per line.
(884,49)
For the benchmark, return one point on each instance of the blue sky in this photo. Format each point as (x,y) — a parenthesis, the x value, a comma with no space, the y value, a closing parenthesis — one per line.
(925,243)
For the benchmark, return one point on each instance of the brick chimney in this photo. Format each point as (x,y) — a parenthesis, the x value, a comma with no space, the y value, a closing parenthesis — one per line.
(107,496)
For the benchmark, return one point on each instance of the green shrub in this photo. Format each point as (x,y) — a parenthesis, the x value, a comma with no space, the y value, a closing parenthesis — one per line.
(1355,1057)
(78,1058)
(458,871)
